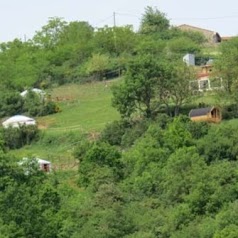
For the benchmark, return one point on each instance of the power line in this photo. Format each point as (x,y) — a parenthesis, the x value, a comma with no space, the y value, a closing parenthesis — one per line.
(104,20)
(204,18)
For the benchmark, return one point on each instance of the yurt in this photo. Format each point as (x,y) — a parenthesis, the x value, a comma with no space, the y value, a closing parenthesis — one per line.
(17,121)
(35,90)
(44,165)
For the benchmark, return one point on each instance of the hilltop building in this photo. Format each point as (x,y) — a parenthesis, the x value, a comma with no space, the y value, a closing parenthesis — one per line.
(211,36)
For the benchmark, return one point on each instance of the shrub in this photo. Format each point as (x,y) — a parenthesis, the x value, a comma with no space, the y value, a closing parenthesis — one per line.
(37,105)
(11,103)
(15,138)
(133,133)
(114,132)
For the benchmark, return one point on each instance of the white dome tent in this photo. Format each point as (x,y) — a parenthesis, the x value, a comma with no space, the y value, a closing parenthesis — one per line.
(35,90)
(17,121)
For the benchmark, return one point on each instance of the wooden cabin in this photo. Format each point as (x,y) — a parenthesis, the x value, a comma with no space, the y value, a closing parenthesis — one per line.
(208,114)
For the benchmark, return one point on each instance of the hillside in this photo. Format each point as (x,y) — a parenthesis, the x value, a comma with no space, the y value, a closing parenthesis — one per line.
(85,110)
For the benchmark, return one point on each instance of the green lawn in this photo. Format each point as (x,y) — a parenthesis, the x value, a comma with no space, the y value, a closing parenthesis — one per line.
(84,108)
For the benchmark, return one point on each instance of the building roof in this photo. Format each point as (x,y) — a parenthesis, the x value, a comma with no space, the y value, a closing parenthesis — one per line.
(195,28)
(226,38)
(200,111)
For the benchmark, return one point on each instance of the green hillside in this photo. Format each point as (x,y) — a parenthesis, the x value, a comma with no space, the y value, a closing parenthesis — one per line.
(84,107)
(85,110)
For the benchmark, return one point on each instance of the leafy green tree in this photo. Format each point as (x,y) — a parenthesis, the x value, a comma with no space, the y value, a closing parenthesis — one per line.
(100,164)
(50,33)
(225,65)
(113,132)
(137,92)
(177,135)
(153,21)
(115,40)
(14,137)
(11,103)
(34,202)
(148,44)
(22,64)
(184,164)
(177,86)
(183,45)
(219,144)
(97,65)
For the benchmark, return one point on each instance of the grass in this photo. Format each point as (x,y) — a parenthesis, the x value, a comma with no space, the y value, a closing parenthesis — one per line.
(84,108)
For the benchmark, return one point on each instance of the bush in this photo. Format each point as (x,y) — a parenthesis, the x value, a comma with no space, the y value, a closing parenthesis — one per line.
(15,138)
(133,133)
(114,132)
(11,103)
(230,111)
(37,105)
(198,129)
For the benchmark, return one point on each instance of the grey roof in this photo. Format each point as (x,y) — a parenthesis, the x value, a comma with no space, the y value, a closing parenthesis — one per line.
(200,111)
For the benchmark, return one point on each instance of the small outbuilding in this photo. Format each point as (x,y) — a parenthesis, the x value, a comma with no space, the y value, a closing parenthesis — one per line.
(17,121)
(208,114)
(44,165)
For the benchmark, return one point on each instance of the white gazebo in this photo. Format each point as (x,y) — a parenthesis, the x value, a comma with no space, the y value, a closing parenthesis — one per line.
(17,121)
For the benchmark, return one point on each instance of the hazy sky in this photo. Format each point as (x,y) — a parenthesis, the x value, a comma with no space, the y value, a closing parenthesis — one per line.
(21,18)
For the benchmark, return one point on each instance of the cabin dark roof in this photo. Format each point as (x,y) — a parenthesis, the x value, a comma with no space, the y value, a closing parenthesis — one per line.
(200,111)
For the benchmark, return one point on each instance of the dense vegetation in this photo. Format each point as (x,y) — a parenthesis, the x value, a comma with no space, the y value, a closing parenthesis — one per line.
(179,179)
(151,173)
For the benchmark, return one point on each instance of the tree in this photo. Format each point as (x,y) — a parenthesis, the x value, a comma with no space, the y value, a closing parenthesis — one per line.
(22,64)
(100,164)
(35,202)
(153,21)
(225,65)
(97,65)
(176,90)
(115,40)
(49,35)
(11,103)
(151,82)
(137,92)
(182,45)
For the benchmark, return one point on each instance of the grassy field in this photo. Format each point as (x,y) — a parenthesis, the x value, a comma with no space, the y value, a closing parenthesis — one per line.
(85,109)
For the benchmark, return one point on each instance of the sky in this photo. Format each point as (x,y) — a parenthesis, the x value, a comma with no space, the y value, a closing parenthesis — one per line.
(22,18)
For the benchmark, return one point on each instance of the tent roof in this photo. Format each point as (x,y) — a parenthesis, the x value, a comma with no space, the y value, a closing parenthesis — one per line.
(35,90)
(200,111)
(17,118)
(40,161)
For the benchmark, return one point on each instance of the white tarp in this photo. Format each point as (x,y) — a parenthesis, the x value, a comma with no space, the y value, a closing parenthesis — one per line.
(35,90)
(17,121)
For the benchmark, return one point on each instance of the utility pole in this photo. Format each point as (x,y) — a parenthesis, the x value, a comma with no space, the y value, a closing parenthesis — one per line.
(114,19)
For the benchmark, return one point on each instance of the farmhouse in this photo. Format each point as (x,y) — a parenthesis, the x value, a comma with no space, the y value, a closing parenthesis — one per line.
(208,114)
(211,36)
